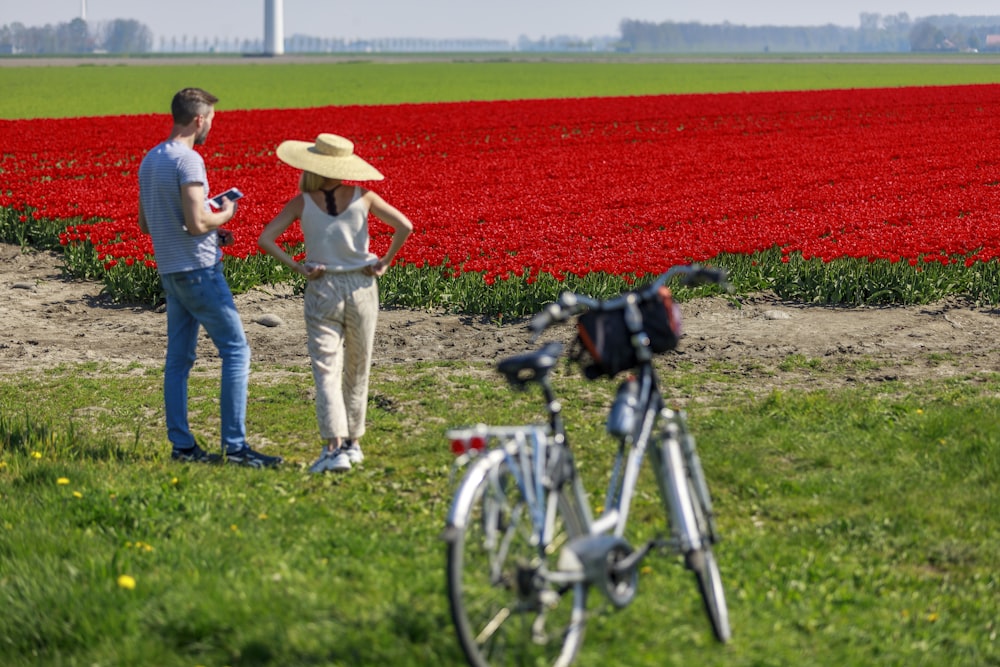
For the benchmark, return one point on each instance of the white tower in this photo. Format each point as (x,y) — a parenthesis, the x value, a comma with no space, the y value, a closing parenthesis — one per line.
(274,29)
(83,10)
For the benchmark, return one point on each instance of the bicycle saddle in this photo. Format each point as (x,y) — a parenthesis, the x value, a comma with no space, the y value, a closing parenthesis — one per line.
(530,366)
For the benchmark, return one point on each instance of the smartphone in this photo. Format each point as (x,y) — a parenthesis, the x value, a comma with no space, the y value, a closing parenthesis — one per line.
(231,193)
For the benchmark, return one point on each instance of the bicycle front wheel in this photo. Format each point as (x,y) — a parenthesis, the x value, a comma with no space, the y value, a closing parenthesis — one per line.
(504,609)
(706,571)
(702,561)
(690,523)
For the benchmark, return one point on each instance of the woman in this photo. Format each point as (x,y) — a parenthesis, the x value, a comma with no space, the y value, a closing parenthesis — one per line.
(341,299)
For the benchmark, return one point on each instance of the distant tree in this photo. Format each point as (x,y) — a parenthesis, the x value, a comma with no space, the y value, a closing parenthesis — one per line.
(897,21)
(926,37)
(642,36)
(870,21)
(74,37)
(40,40)
(118,36)
(8,43)
(125,36)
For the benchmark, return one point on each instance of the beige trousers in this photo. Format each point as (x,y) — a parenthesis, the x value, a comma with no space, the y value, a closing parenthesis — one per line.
(341,311)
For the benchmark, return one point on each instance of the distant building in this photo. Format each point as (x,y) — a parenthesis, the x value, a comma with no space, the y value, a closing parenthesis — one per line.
(992,43)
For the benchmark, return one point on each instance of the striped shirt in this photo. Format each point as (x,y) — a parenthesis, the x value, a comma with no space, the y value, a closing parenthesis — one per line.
(165,169)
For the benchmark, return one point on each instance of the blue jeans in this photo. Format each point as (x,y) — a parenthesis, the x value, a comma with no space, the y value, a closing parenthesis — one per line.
(202,298)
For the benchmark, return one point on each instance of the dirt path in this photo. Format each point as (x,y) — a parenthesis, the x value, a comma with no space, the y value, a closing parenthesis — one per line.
(46,320)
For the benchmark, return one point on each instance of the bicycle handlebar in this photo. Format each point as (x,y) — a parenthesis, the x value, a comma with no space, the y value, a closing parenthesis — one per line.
(571,303)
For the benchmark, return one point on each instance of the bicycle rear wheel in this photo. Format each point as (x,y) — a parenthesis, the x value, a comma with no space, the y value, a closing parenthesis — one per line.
(504,610)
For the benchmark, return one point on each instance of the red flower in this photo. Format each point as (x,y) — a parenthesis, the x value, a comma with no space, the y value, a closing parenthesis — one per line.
(582,185)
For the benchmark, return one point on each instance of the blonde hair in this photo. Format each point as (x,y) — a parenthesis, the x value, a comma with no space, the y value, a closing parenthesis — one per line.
(311,182)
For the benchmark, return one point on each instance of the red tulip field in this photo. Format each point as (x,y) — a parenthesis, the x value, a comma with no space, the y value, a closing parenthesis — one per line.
(519,192)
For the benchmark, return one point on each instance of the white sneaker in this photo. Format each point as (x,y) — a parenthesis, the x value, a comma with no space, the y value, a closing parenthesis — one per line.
(334,460)
(353,451)
(340,461)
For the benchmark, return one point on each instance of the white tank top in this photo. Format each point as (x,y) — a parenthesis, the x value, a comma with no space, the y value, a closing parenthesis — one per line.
(339,242)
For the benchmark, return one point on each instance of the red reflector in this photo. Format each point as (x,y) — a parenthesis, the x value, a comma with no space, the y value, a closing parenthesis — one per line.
(461,446)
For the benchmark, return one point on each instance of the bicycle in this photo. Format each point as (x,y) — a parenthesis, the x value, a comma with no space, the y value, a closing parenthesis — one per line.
(523,545)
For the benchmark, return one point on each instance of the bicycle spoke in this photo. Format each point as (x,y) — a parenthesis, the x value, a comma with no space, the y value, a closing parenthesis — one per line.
(504,609)
(492,626)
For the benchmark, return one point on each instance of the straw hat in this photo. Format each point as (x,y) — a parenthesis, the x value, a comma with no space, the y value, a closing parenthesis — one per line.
(331,156)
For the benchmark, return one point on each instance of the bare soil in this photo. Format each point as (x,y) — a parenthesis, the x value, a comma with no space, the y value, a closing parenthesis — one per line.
(47,320)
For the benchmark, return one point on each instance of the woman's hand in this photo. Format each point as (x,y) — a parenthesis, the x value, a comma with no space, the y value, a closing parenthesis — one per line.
(312,270)
(377,269)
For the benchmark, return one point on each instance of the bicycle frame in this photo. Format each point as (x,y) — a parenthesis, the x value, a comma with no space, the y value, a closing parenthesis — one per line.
(541,461)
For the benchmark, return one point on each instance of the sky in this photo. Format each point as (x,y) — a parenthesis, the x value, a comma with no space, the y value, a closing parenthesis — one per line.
(486,19)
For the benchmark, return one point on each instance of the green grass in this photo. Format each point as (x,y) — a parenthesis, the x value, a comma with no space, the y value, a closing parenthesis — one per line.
(859,524)
(118,87)
(843,281)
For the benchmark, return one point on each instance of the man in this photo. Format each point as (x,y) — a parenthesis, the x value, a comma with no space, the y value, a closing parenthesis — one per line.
(186,233)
